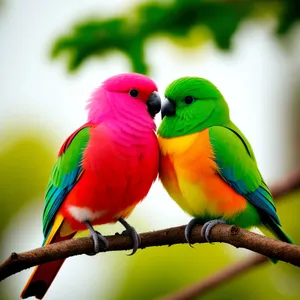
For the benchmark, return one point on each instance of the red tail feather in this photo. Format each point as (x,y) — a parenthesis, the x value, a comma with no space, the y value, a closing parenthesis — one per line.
(44,274)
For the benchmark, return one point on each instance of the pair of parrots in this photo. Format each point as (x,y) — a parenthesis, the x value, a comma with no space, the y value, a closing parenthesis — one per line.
(107,166)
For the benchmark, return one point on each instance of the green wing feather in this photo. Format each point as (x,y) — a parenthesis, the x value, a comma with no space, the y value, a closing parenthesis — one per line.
(65,173)
(237,166)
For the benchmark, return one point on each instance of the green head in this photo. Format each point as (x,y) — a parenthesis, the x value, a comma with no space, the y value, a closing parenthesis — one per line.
(192,104)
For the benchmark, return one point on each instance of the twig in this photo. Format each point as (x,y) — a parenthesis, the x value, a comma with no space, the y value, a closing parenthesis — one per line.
(200,288)
(220,233)
(289,184)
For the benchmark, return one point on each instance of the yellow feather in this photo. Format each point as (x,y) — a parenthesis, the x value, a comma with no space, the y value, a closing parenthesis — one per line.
(188,172)
(59,224)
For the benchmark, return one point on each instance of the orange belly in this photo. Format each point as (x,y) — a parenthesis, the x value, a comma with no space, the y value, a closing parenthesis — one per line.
(190,175)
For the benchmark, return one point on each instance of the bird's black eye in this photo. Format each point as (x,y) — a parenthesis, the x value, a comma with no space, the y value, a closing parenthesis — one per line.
(189,99)
(133,93)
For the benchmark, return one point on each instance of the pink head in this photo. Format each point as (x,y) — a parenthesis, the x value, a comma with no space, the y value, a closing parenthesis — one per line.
(123,97)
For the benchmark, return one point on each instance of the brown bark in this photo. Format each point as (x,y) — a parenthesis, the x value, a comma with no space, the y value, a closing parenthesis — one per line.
(220,233)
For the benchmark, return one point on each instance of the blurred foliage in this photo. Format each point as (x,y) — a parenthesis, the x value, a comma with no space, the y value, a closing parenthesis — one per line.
(290,14)
(158,271)
(25,164)
(26,160)
(188,23)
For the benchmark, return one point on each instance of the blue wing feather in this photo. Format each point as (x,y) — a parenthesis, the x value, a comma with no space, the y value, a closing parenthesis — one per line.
(259,197)
(56,196)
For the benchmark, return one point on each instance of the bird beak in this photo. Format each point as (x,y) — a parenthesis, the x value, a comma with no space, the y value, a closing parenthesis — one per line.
(168,108)
(154,104)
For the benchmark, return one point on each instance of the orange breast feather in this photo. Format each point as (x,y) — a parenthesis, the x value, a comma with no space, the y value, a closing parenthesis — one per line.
(190,175)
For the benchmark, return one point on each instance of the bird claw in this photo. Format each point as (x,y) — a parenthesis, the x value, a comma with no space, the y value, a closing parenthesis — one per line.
(207,227)
(135,237)
(188,230)
(98,239)
(130,231)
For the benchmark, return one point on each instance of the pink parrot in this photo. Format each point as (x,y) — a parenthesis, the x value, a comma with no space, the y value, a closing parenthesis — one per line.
(104,169)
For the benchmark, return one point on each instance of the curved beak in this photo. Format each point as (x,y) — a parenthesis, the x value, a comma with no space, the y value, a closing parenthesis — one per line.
(168,108)
(154,104)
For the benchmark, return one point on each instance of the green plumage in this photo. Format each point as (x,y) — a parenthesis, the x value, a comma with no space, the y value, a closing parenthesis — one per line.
(195,104)
(208,109)
(237,166)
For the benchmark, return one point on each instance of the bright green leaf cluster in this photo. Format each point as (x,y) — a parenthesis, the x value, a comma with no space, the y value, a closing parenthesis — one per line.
(185,22)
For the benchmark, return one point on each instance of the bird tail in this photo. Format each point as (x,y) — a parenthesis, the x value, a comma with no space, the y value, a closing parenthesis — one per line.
(277,231)
(43,275)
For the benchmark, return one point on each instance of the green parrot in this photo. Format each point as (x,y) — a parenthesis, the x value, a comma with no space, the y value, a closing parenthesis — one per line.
(207,165)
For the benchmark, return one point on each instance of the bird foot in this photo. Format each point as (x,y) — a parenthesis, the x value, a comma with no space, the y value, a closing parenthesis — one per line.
(207,227)
(130,231)
(188,230)
(98,239)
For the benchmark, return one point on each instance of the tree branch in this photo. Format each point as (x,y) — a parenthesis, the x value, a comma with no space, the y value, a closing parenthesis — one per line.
(289,184)
(200,288)
(220,233)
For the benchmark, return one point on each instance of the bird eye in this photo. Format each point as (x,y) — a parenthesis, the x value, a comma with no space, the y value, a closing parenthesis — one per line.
(189,99)
(133,93)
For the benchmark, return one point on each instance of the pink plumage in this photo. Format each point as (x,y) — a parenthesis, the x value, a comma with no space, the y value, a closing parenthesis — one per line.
(114,157)
(121,159)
